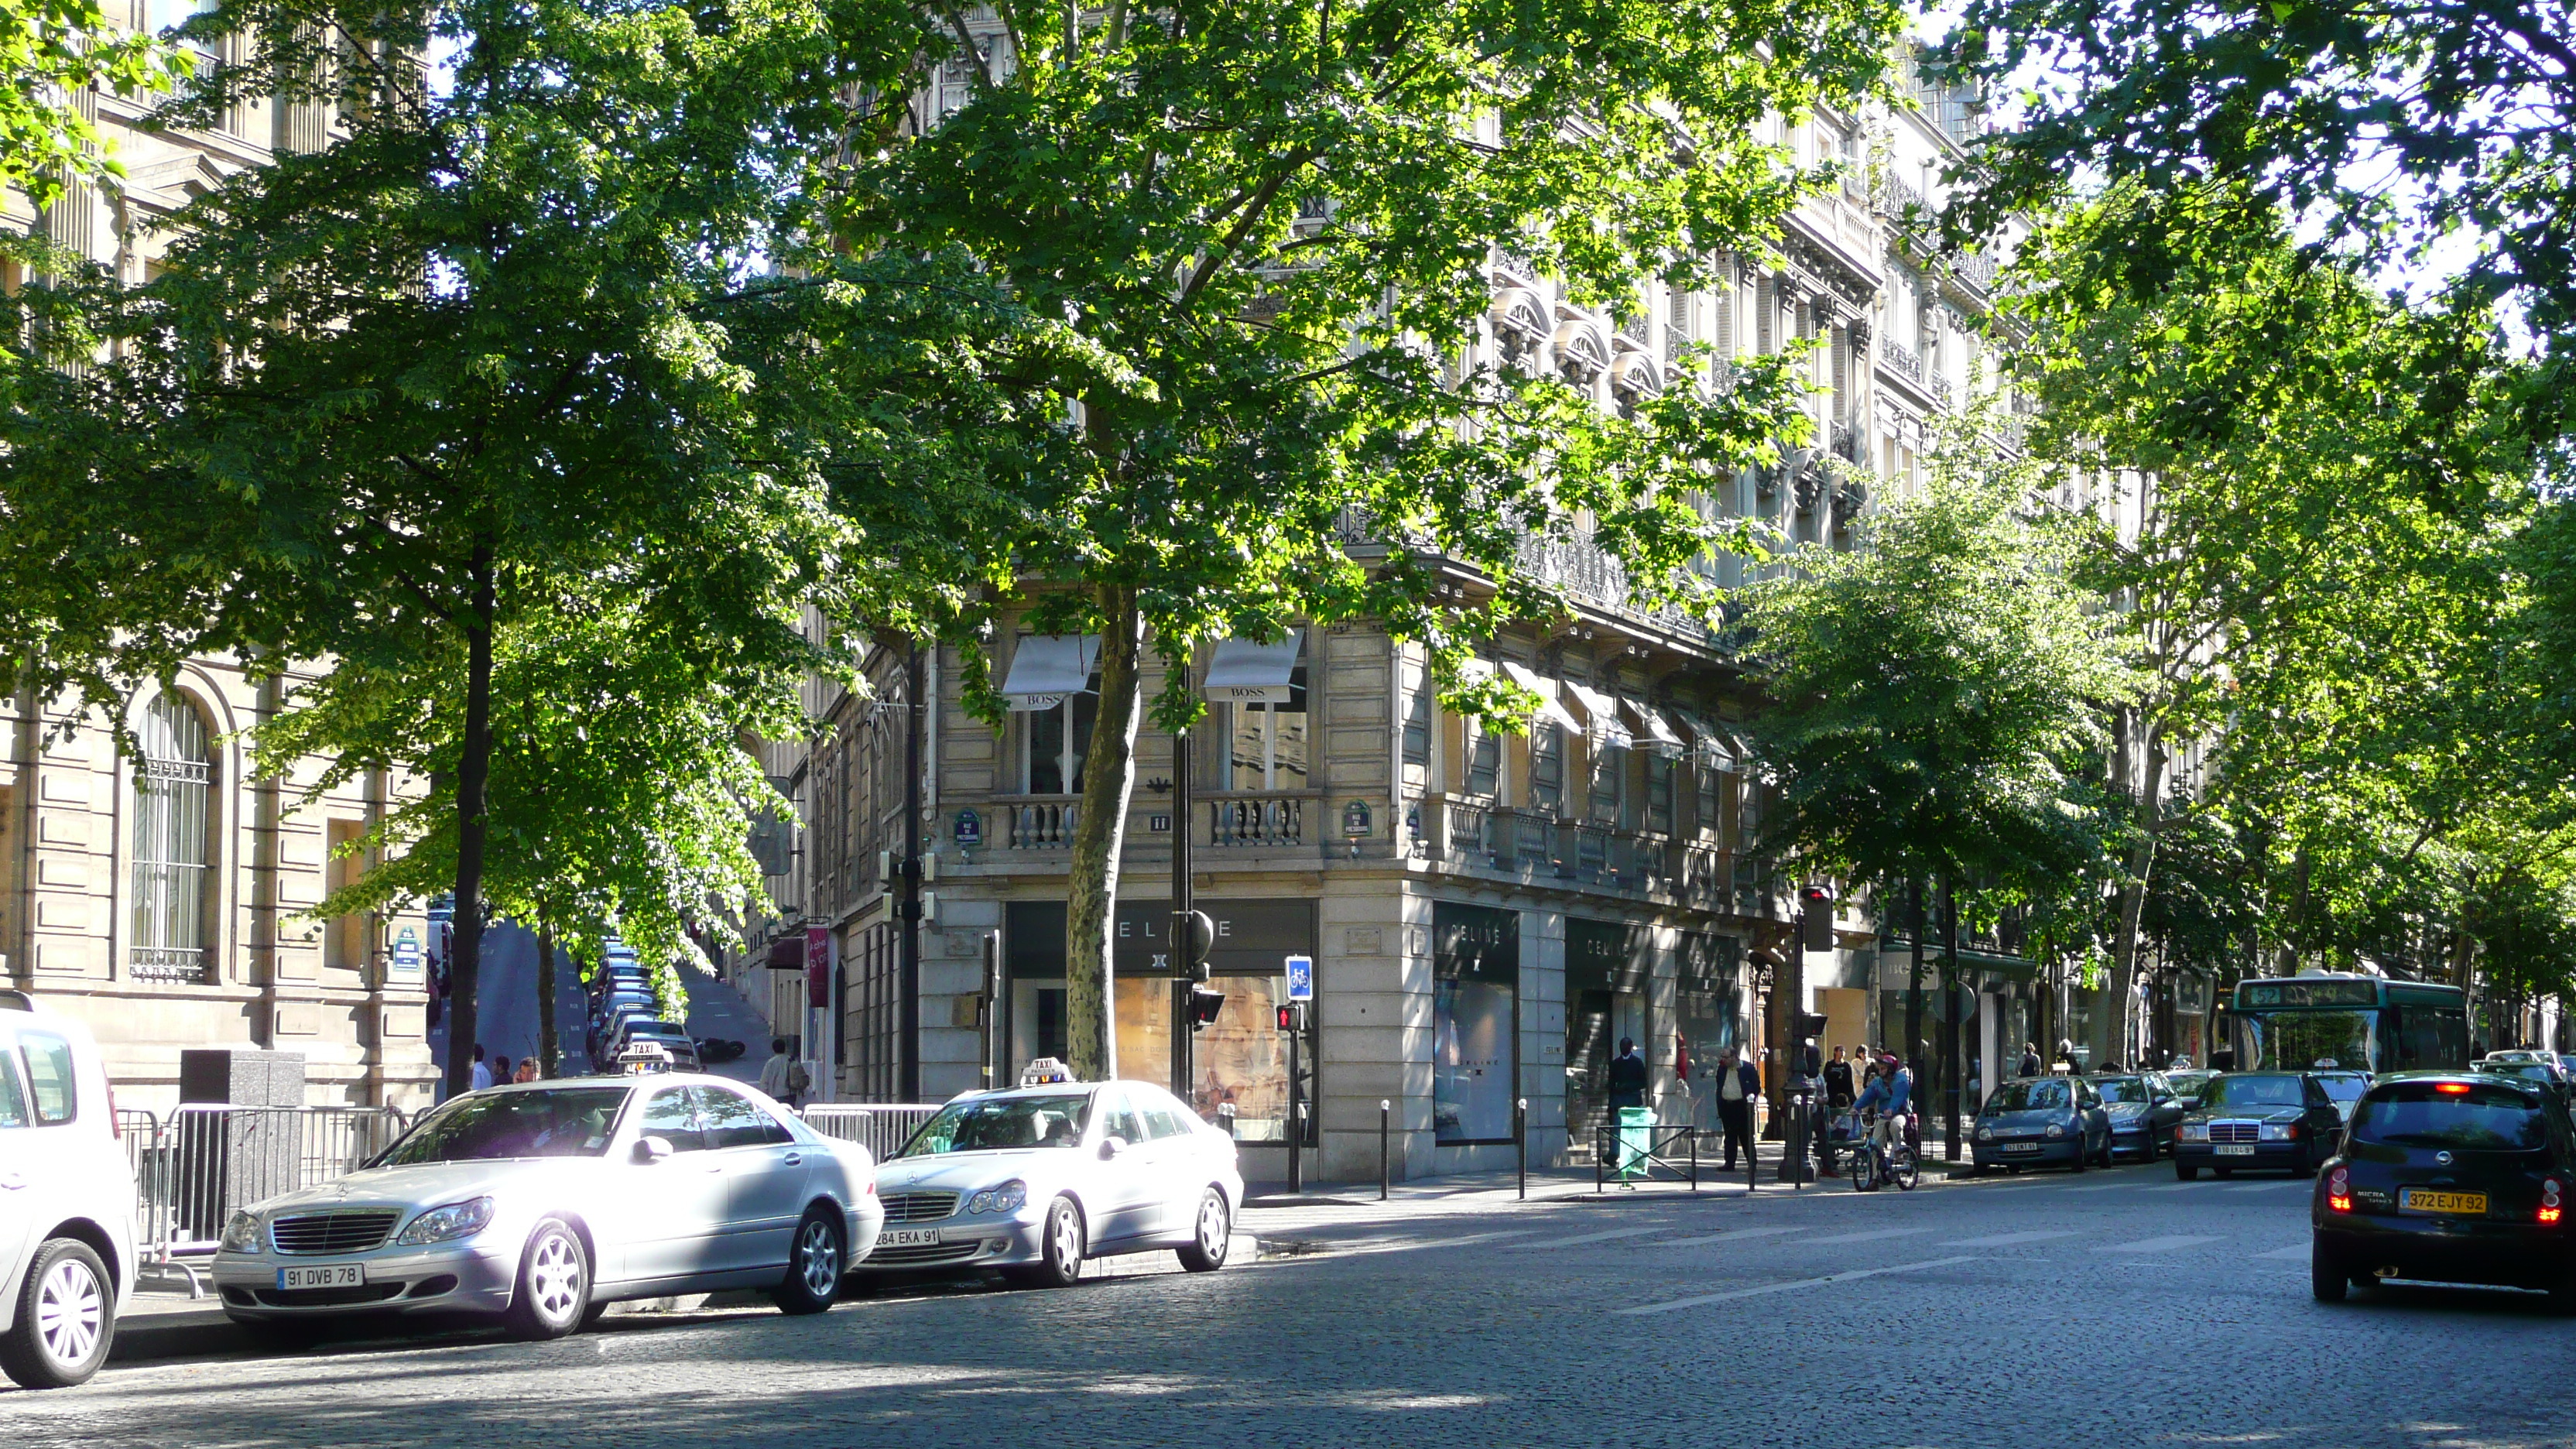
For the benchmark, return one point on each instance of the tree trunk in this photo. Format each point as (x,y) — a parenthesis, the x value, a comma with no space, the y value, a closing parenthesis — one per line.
(1950,1074)
(1091,885)
(1912,1052)
(2112,1035)
(548,1053)
(473,772)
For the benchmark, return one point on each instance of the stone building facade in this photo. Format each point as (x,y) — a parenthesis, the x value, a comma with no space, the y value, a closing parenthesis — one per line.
(156,899)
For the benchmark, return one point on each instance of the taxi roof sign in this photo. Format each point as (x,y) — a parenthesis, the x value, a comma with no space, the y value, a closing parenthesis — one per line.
(644,1056)
(1044,1071)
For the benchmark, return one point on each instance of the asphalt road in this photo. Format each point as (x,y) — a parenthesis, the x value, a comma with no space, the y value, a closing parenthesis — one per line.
(506,1008)
(2116,1308)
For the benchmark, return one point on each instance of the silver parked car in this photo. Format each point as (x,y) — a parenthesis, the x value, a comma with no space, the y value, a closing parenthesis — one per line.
(67,1202)
(543,1203)
(1034,1180)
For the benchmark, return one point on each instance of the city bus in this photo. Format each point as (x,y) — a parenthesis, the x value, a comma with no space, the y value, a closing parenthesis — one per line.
(2321,1021)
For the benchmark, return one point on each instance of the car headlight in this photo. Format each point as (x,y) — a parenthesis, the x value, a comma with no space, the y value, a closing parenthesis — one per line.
(447,1224)
(2054,1130)
(1002,1199)
(241,1233)
(2280,1131)
(1985,1134)
(2192,1132)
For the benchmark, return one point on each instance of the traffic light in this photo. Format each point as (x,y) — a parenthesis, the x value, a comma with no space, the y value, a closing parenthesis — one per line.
(1817,922)
(1292,1016)
(1205,1003)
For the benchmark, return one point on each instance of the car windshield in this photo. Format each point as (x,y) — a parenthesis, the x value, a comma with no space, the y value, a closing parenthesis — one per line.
(2527,1071)
(997,1124)
(2028,1096)
(2345,1088)
(2121,1089)
(2253,1092)
(2187,1084)
(2425,1114)
(552,1122)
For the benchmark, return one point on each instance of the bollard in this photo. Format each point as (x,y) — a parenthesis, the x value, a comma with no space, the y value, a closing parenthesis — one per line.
(1384,1107)
(1693,1130)
(1520,1142)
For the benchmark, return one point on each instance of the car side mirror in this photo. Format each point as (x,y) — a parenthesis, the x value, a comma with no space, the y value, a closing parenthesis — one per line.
(649,1150)
(1111,1146)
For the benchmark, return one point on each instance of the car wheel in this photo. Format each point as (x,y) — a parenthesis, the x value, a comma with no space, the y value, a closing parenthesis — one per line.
(814,1266)
(2078,1164)
(553,1292)
(1062,1246)
(2151,1147)
(66,1318)
(1213,1237)
(2326,1277)
(2185,1172)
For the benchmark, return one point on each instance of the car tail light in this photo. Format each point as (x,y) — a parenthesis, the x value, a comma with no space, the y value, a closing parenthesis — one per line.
(2549,1208)
(2339,1191)
(2455,1089)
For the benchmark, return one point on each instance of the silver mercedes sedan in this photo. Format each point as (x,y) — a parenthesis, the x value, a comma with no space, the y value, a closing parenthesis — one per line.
(1036,1180)
(543,1203)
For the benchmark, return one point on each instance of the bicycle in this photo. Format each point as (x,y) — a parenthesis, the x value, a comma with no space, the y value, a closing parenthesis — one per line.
(1874,1166)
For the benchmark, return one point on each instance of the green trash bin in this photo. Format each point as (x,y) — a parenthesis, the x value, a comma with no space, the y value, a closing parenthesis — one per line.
(1636,1139)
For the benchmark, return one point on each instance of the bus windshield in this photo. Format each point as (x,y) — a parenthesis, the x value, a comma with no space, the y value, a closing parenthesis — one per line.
(2300,1041)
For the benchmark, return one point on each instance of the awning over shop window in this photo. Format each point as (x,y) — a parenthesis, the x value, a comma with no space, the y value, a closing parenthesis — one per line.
(1660,735)
(1248,673)
(1550,709)
(1716,747)
(1606,729)
(1046,668)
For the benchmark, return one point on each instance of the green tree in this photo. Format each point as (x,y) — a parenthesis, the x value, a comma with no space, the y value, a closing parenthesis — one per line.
(1286,219)
(1934,693)
(51,51)
(2307,484)
(480,381)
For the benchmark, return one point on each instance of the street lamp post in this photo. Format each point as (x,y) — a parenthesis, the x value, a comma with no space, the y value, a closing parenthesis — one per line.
(908,911)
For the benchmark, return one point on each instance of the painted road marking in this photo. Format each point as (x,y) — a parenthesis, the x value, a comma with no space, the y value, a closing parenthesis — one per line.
(1601,1237)
(2164,1244)
(1736,1236)
(1791,1287)
(1869,1237)
(2283,1255)
(2006,1240)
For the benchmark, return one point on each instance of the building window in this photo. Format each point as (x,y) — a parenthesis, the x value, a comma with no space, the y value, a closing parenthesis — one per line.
(1054,744)
(1609,781)
(1659,795)
(1417,726)
(173,795)
(1547,767)
(1710,803)
(1484,760)
(1268,750)
(344,938)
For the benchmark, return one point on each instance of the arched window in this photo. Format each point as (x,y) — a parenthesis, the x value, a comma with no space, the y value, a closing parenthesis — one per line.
(172,801)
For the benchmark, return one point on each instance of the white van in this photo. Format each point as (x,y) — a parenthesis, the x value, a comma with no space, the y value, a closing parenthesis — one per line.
(67,1208)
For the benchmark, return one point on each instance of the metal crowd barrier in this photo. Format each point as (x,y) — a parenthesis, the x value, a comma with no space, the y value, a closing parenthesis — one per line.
(193,1167)
(1648,1153)
(881,1127)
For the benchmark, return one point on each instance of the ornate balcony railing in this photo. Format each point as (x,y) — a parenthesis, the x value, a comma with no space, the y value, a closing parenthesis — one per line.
(1042,824)
(1902,360)
(1257,819)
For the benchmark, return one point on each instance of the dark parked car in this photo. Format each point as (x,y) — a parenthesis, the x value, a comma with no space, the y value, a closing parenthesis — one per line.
(2037,1120)
(2531,1067)
(2188,1084)
(2143,1113)
(2345,1087)
(2281,1120)
(2455,1177)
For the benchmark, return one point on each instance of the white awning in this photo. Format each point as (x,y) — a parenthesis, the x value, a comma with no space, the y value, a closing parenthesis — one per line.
(1248,673)
(1659,732)
(1606,730)
(1046,668)
(1714,746)
(1550,708)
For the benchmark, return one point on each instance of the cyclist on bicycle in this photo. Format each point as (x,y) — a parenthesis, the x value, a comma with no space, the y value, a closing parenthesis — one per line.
(1890,1091)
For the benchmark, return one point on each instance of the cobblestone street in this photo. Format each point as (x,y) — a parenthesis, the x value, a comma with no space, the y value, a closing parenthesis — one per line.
(2117,1308)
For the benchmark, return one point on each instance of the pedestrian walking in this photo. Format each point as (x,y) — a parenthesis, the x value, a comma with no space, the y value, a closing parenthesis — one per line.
(1811,1062)
(482,1069)
(2030,1063)
(500,1069)
(527,1070)
(1627,1076)
(773,1073)
(1738,1083)
(1839,1090)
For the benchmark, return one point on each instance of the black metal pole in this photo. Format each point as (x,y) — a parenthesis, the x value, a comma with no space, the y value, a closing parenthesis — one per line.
(908,963)
(1385,1114)
(1950,1015)
(1296,1119)
(1184,973)
(1520,1141)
